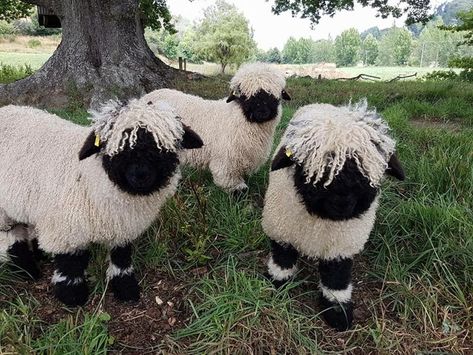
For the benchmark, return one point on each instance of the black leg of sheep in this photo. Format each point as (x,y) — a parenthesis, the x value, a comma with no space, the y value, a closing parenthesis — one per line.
(336,287)
(23,261)
(282,263)
(70,284)
(121,275)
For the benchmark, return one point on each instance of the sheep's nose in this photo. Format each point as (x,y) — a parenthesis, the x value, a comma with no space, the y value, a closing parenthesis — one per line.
(139,175)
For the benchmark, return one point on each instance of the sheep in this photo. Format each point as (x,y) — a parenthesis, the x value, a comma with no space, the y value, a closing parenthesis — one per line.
(70,186)
(323,194)
(238,132)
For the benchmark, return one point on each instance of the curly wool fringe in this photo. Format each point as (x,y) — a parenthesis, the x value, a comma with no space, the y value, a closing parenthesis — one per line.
(323,137)
(253,77)
(118,124)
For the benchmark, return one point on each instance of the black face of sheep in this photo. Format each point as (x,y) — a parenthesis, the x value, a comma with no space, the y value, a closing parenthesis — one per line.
(144,168)
(348,196)
(259,108)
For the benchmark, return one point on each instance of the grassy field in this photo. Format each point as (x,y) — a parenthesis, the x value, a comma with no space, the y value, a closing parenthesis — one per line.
(205,255)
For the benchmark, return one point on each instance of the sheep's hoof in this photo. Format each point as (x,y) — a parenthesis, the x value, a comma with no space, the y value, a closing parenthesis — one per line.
(337,315)
(72,295)
(125,288)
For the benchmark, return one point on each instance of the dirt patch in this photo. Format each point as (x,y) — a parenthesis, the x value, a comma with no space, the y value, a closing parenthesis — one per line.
(437,124)
(137,328)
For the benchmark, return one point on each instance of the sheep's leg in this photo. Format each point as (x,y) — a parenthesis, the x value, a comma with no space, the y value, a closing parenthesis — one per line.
(6,223)
(282,263)
(121,275)
(227,179)
(70,284)
(22,258)
(336,287)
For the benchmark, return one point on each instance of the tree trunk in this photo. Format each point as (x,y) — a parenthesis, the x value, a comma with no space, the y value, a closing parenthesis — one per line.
(103,54)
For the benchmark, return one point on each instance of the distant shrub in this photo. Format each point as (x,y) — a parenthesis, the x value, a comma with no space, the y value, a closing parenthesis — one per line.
(11,73)
(31,27)
(6,28)
(440,75)
(33,43)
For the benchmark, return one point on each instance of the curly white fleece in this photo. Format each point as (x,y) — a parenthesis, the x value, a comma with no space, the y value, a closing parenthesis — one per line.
(253,77)
(322,137)
(118,124)
(71,203)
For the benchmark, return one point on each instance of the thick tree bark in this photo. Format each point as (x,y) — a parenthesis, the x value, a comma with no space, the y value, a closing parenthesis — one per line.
(103,54)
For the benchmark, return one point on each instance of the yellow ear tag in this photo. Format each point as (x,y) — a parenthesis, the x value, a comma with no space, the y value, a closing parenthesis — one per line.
(288,152)
(97,140)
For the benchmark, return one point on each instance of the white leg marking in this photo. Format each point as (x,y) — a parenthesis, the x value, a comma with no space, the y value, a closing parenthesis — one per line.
(337,296)
(114,271)
(278,273)
(58,277)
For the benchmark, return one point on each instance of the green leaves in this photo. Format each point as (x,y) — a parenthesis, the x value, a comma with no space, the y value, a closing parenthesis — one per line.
(156,15)
(416,10)
(347,47)
(224,35)
(14,9)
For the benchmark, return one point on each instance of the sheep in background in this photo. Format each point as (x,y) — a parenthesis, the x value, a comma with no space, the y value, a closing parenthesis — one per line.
(238,132)
(323,194)
(76,185)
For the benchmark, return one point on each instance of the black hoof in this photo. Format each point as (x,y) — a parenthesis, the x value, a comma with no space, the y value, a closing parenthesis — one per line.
(240,194)
(337,315)
(125,288)
(72,295)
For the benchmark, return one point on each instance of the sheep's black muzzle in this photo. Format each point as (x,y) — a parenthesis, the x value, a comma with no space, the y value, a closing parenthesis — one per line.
(143,169)
(260,108)
(348,196)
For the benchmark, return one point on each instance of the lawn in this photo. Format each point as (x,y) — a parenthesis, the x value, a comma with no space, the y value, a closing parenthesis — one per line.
(205,255)
(35,60)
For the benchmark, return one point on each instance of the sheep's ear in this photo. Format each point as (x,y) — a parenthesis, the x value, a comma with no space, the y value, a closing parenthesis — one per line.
(281,160)
(285,95)
(232,97)
(395,168)
(191,140)
(92,145)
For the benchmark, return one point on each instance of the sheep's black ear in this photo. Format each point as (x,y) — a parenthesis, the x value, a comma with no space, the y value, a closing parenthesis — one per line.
(191,140)
(281,160)
(91,146)
(285,95)
(231,98)
(395,168)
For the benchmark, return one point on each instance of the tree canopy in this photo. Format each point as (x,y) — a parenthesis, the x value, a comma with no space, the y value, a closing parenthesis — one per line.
(224,35)
(416,10)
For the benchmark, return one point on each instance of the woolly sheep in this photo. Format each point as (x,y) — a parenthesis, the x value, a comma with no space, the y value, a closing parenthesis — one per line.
(323,194)
(70,186)
(238,132)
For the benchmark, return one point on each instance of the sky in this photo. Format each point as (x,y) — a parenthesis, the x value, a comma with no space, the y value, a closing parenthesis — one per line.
(273,30)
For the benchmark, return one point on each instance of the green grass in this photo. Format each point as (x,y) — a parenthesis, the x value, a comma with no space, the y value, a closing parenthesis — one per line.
(413,281)
(34,60)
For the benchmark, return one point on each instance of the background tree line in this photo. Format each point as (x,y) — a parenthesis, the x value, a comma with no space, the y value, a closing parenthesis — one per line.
(224,27)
